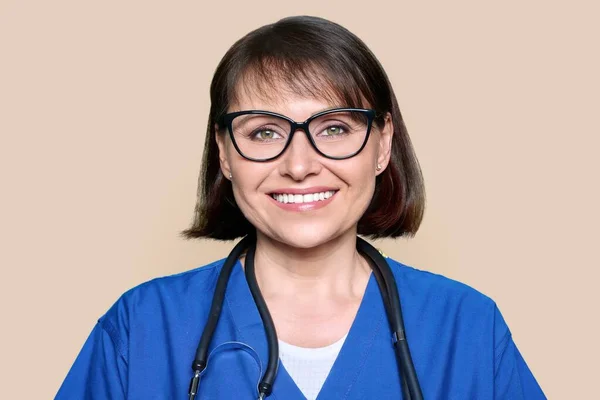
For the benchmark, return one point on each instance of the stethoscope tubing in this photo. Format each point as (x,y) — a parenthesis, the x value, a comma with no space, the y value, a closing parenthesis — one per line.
(383,290)
(201,357)
(266,384)
(411,389)
(391,299)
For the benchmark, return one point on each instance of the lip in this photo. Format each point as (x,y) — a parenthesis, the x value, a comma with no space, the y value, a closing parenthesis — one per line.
(303,207)
(314,189)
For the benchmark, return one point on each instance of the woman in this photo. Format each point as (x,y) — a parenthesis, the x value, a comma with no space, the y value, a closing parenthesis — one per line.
(300,193)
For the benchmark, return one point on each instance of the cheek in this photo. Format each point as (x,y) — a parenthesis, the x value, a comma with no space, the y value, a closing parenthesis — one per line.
(359,177)
(244,183)
(364,181)
(360,170)
(366,188)
(247,178)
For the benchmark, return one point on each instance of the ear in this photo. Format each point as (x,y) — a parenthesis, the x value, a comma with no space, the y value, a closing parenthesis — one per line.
(223,159)
(386,134)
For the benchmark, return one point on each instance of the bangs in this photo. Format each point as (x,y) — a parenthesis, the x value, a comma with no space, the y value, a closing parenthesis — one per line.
(276,79)
(304,57)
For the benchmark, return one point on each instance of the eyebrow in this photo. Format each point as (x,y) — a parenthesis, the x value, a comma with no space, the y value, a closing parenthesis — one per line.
(331,107)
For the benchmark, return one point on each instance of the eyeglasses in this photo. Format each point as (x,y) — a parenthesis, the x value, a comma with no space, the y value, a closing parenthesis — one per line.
(261,136)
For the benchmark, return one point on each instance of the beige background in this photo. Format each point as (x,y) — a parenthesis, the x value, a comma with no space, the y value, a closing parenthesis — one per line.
(103,108)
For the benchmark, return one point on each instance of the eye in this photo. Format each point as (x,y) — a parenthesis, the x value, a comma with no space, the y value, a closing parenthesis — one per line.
(266,134)
(333,130)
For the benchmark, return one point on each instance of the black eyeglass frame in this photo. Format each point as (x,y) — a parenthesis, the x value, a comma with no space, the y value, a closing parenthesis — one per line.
(227,120)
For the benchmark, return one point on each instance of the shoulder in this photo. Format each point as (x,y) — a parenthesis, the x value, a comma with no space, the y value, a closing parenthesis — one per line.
(426,282)
(199,280)
(434,293)
(171,294)
(439,301)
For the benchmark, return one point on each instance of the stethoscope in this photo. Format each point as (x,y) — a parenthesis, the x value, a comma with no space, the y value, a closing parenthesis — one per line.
(389,291)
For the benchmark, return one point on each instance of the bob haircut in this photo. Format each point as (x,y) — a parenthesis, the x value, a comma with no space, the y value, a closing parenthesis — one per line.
(316,58)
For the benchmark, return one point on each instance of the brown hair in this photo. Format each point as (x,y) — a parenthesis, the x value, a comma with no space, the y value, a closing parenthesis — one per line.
(317,58)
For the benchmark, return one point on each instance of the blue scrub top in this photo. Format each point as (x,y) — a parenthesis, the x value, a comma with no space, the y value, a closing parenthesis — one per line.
(143,347)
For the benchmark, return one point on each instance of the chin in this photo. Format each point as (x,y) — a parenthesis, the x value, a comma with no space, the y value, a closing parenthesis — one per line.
(304,242)
(306,237)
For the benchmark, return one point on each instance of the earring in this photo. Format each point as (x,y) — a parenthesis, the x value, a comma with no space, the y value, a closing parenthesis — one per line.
(378,167)
(230,176)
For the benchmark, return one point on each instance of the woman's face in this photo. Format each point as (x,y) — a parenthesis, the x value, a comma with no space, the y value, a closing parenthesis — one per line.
(301,168)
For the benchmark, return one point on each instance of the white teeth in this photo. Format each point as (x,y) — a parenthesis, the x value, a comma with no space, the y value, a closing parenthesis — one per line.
(300,198)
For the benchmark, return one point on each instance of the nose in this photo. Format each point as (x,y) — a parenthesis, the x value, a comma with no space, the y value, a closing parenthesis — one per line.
(300,159)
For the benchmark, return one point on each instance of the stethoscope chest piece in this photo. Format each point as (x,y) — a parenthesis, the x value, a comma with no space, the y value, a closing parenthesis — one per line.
(233,346)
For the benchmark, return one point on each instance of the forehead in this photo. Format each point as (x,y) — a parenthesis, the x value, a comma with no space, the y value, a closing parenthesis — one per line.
(280,90)
(280,100)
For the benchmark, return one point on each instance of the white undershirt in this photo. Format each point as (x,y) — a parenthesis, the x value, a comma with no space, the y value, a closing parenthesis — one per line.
(309,367)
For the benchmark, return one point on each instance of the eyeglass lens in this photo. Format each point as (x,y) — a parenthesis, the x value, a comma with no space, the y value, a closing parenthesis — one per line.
(337,134)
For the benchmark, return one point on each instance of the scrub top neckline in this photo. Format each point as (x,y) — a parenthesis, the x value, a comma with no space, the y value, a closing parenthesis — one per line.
(314,350)
(350,360)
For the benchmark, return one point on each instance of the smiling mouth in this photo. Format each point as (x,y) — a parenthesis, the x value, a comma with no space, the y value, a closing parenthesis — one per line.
(302,198)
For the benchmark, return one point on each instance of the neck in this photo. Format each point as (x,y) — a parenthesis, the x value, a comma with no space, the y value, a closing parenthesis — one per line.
(332,269)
